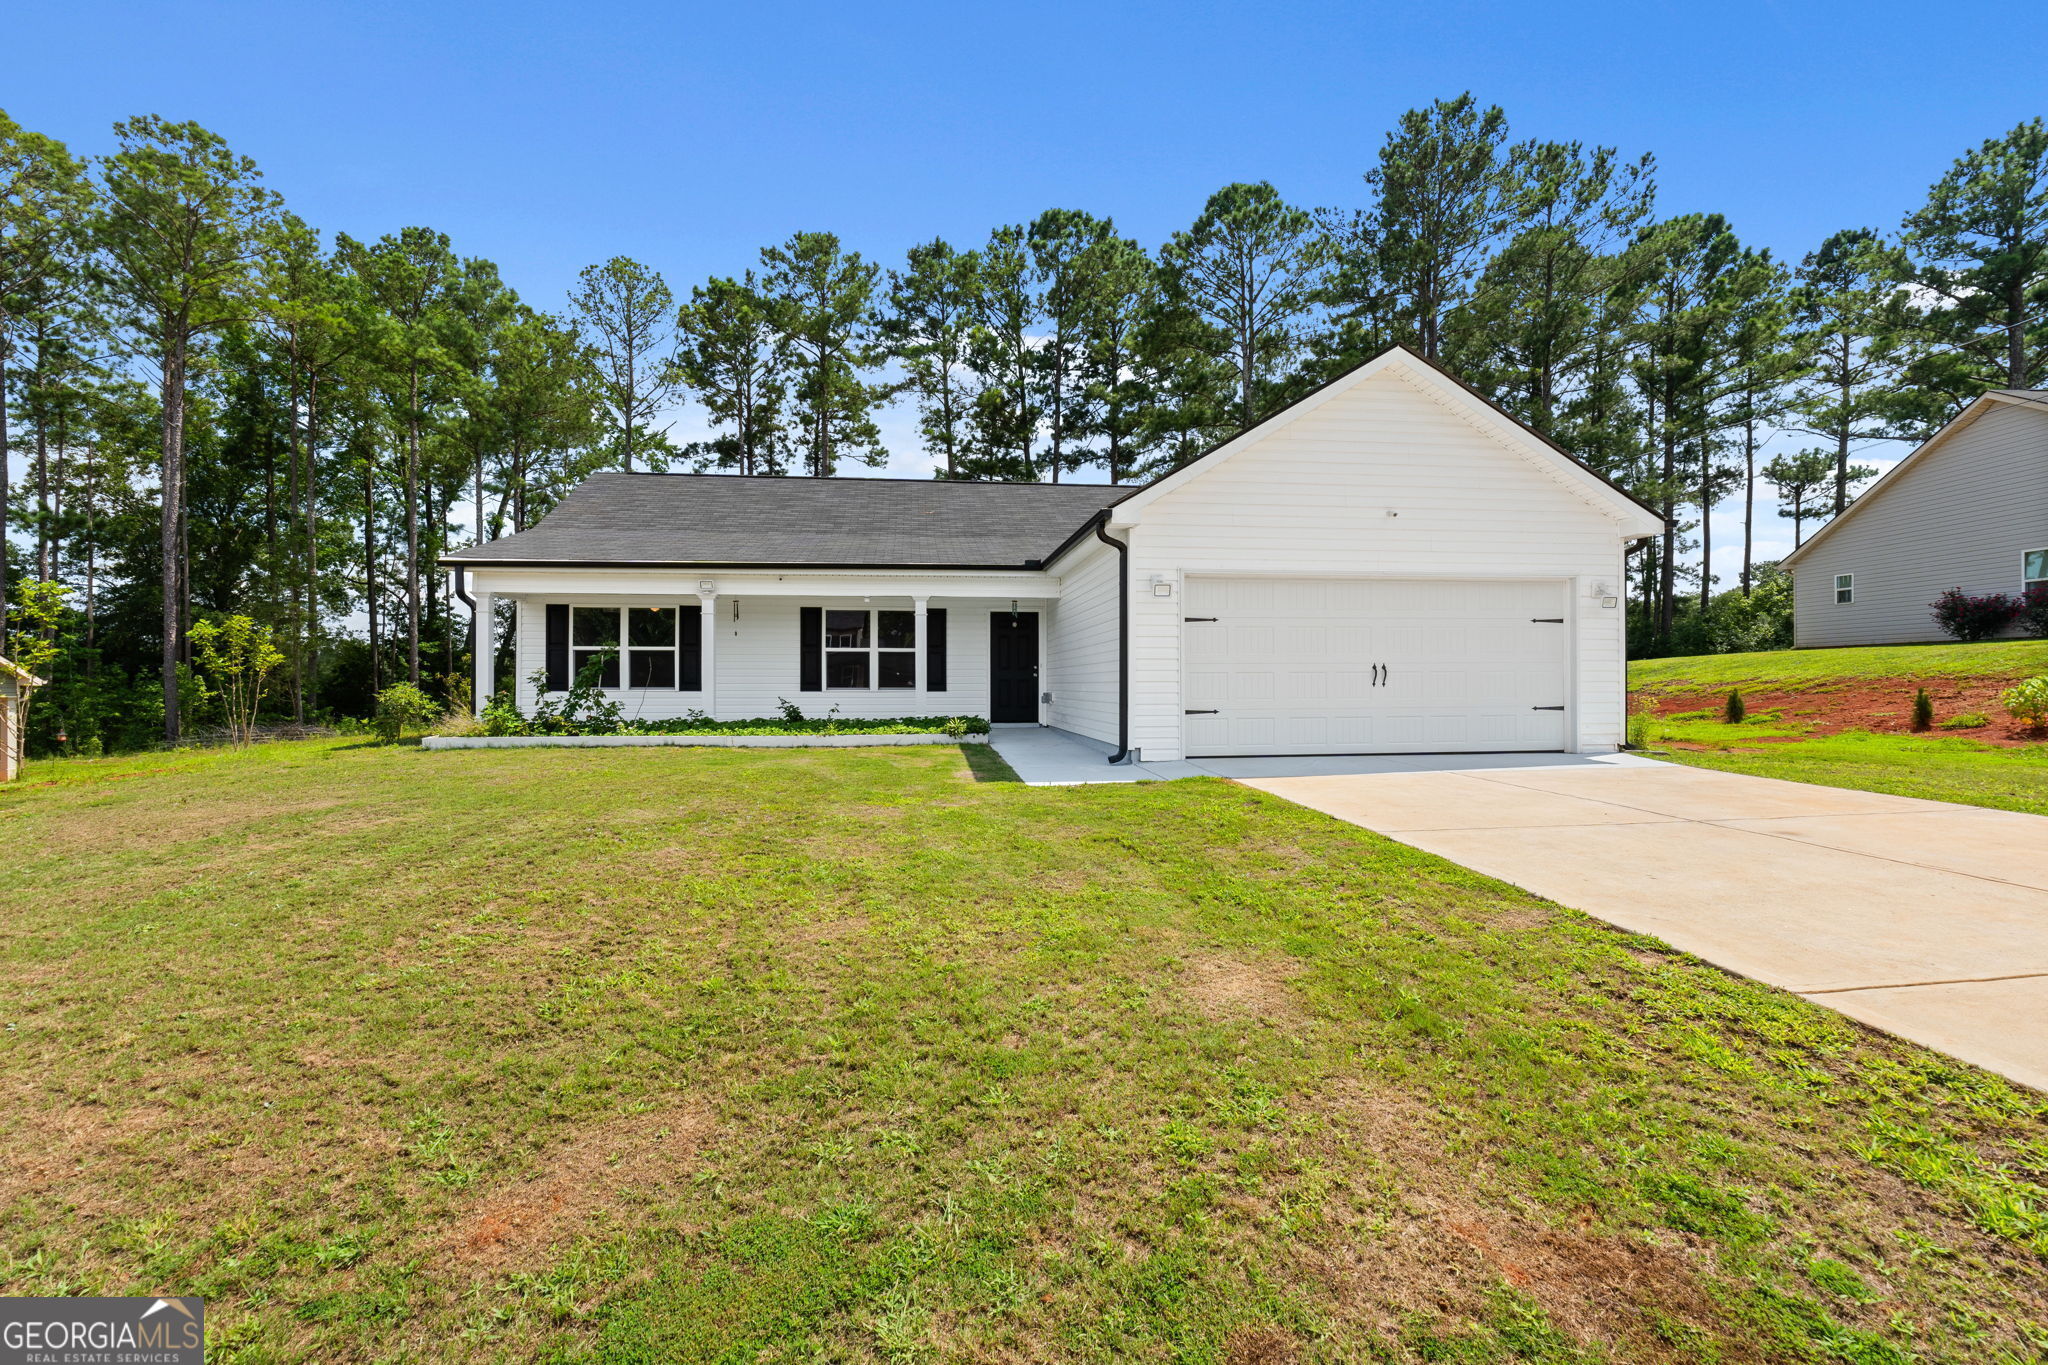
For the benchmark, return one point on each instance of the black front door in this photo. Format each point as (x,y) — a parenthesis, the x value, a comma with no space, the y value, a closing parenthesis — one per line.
(1013,667)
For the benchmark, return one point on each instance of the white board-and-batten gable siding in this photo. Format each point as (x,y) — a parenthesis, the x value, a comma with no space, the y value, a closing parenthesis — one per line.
(1390,477)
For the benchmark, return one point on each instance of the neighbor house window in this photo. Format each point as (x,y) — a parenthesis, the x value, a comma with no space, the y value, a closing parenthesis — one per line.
(870,649)
(641,643)
(2033,569)
(1845,587)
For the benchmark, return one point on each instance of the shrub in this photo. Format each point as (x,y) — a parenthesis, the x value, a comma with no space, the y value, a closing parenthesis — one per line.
(399,706)
(2034,610)
(501,717)
(1966,618)
(1639,730)
(2028,701)
(1923,709)
(1734,710)
(1968,720)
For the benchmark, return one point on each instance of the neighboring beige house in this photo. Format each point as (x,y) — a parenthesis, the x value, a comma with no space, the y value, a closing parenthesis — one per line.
(15,685)
(1969,510)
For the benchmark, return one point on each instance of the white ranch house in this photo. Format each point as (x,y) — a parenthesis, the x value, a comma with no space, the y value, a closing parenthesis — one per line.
(1391,564)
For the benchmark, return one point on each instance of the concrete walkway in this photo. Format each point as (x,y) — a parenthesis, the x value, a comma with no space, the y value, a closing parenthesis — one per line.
(1044,757)
(1925,919)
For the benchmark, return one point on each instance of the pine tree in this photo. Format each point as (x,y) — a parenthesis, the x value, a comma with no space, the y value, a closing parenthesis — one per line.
(1250,267)
(1005,413)
(933,304)
(736,359)
(182,222)
(1839,311)
(1975,260)
(43,192)
(1062,243)
(824,301)
(627,314)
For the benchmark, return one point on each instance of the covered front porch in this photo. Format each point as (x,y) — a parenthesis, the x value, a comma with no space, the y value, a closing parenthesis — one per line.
(734,647)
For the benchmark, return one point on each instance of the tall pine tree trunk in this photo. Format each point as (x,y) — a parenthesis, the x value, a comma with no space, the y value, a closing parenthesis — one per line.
(412,528)
(370,572)
(173,397)
(312,526)
(1706,521)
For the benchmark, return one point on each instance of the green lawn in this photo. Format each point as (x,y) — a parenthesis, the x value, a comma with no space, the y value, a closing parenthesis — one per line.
(861,1055)
(1936,769)
(1793,668)
(1941,765)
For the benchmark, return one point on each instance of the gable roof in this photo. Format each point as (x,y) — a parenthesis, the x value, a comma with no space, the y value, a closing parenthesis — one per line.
(1637,517)
(703,521)
(2035,400)
(617,520)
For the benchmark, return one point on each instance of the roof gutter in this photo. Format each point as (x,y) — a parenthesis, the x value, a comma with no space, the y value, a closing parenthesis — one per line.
(1123,635)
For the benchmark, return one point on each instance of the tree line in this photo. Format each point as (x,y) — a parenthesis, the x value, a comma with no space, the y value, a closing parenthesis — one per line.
(213,407)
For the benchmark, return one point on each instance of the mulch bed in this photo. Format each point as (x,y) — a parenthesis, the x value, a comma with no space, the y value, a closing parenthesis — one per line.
(1880,705)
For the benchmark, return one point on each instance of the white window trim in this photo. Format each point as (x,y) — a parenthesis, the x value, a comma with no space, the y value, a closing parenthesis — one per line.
(627,650)
(2026,582)
(874,650)
(1845,583)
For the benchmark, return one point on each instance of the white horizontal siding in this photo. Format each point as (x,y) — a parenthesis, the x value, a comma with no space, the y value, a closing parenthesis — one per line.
(756,658)
(1313,499)
(1960,518)
(1082,643)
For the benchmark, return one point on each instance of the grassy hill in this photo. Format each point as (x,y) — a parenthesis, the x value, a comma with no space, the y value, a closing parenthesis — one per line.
(1843,718)
(1795,668)
(669,1055)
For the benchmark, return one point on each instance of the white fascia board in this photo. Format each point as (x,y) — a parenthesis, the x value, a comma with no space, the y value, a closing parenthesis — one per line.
(668,584)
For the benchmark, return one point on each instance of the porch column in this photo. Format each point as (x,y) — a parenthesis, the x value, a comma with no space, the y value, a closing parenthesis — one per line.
(707,636)
(484,627)
(918,627)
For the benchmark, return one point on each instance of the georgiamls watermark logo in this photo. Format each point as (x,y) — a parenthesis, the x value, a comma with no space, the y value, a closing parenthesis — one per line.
(129,1331)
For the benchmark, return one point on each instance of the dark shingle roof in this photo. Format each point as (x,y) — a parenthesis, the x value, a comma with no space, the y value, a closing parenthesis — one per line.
(712,519)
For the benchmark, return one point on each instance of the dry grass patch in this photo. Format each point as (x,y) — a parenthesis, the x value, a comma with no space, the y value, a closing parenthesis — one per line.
(597,1176)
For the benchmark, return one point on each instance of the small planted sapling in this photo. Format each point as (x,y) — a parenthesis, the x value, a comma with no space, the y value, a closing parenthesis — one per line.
(1923,710)
(1734,710)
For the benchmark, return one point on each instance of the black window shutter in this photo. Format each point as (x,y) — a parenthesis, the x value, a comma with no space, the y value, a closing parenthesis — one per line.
(935,649)
(690,634)
(811,650)
(558,647)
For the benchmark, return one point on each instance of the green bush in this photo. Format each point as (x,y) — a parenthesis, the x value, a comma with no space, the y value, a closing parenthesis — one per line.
(1923,710)
(2028,701)
(400,706)
(1639,730)
(1968,720)
(1734,710)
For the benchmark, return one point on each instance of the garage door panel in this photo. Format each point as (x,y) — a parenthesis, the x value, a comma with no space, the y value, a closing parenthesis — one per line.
(1289,665)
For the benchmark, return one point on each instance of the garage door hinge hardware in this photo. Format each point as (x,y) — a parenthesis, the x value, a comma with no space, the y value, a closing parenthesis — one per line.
(1546,708)
(1202,713)
(1200,618)
(1546,620)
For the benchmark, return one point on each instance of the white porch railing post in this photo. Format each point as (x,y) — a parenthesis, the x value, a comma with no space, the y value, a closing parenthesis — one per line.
(707,636)
(486,649)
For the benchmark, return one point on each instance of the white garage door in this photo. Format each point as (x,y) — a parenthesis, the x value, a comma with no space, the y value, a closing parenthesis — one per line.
(1333,666)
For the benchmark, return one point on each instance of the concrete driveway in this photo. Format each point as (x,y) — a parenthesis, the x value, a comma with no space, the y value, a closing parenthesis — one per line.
(1925,919)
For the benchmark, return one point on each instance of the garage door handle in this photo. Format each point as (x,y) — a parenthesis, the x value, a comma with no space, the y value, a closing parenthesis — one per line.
(1200,618)
(1546,708)
(1202,713)
(1546,620)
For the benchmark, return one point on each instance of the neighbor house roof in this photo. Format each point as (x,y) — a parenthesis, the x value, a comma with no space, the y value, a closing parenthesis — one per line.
(707,520)
(2035,400)
(19,674)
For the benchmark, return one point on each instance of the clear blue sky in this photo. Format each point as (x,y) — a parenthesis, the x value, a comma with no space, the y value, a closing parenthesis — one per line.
(548,136)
